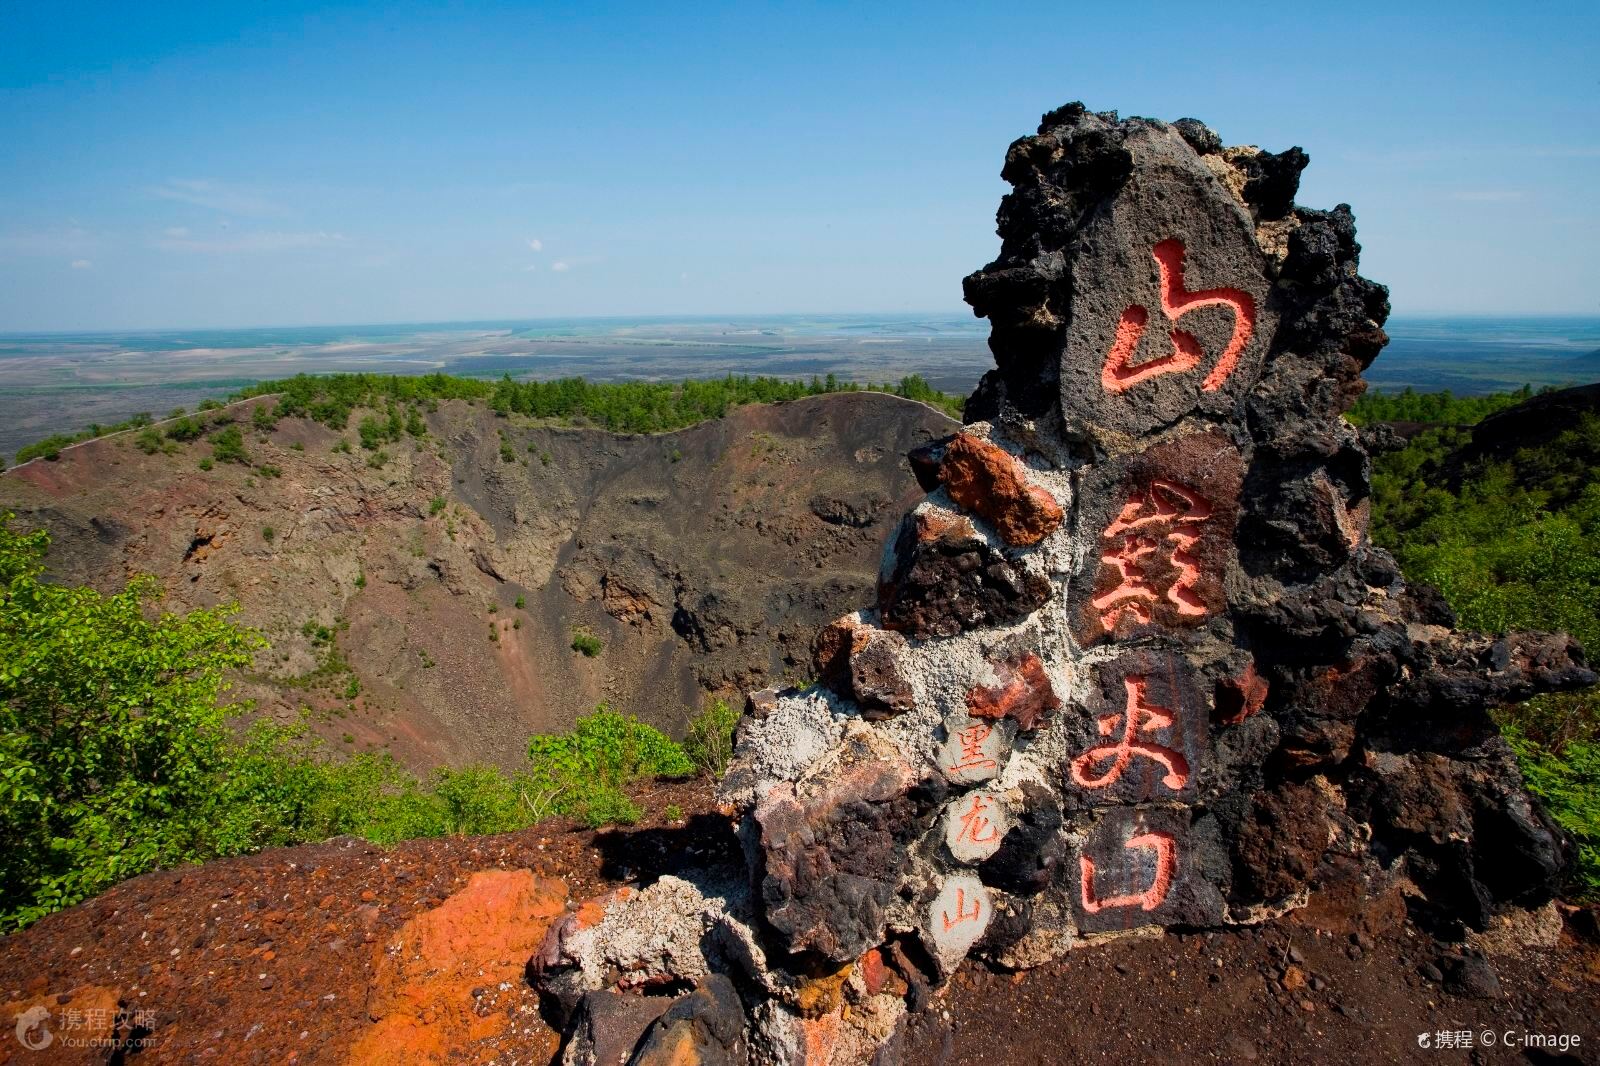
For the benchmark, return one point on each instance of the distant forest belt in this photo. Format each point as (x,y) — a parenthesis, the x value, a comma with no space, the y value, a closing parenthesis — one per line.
(622,407)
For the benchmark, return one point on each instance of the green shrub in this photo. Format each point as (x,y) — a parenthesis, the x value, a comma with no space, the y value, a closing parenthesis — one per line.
(342,445)
(262,418)
(1567,779)
(149,440)
(112,732)
(709,742)
(435,505)
(227,446)
(184,430)
(378,459)
(586,771)
(116,755)
(371,431)
(587,643)
(205,462)
(267,533)
(521,603)
(48,449)
(210,405)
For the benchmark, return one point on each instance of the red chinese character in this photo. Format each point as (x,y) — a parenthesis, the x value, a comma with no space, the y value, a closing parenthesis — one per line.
(975,825)
(1166,850)
(1137,535)
(1140,716)
(972,756)
(1119,372)
(962,915)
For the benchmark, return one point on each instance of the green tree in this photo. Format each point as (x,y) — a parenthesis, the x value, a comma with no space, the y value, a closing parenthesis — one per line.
(111,731)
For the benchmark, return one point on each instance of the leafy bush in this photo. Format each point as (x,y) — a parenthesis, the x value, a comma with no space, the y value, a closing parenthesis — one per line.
(435,505)
(112,735)
(587,643)
(185,429)
(150,441)
(116,755)
(1567,779)
(227,446)
(584,772)
(48,449)
(206,463)
(709,743)
(262,418)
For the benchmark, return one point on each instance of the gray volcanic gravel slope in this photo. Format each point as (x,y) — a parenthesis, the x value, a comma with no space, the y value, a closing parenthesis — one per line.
(703,559)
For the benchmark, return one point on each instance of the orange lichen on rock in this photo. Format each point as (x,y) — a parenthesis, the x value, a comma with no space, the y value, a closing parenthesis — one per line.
(421,1000)
(991,483)
(822,995)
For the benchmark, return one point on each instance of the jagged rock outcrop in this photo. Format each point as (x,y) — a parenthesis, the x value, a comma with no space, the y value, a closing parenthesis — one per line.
(1134,662)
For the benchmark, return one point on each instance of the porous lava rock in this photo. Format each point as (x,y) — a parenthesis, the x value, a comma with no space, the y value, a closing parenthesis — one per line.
(1149,670)
(990,482)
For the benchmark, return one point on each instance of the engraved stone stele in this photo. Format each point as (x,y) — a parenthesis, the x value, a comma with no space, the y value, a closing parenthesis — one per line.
(1133,662)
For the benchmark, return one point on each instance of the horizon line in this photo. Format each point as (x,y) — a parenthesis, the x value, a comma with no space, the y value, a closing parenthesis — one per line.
(678,316)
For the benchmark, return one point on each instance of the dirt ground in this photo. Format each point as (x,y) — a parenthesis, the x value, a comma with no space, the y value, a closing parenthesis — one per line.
(1313,987)
(296,956)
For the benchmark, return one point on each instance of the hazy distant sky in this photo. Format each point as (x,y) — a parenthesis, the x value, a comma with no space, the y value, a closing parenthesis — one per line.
(233,164)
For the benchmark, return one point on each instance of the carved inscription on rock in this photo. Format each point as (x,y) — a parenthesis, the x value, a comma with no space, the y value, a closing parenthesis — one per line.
(1163,524)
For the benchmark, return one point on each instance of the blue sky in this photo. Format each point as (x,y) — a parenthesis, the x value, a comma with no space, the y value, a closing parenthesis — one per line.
(233,164)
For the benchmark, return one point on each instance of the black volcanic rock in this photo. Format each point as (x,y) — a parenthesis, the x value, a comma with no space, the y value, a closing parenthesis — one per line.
(1253,705)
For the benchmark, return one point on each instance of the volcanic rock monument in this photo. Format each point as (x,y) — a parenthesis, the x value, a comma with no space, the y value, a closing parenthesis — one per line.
(1133,663)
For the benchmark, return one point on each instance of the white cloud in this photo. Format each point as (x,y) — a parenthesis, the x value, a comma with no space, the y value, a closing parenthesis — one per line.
(178,232)
(536,244)
(254,242)
(530,268)
(81,264)
(560,267)
(217,196)
(73,241)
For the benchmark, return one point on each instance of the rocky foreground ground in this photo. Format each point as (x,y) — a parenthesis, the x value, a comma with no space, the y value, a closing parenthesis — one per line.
(347,953)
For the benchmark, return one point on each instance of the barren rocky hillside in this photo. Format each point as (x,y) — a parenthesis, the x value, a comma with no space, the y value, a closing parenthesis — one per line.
(703,560)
